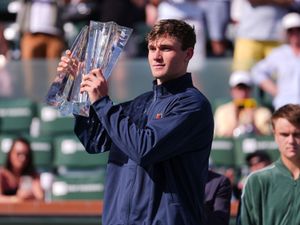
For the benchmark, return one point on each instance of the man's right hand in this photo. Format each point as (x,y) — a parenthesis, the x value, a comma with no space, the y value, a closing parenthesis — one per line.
(67,64)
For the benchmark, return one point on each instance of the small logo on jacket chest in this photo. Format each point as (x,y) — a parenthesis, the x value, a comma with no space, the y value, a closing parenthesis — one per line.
(158,116)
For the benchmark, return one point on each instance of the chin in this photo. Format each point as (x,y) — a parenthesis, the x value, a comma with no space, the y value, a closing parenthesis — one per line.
(158,75)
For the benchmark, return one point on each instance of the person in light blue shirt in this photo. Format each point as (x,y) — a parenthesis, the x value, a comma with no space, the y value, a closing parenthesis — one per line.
(279,73)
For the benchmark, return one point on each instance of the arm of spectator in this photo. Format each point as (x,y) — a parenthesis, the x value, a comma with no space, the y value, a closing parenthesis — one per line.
(8,199)
(269,86)
(151,12)
(5,198)
(35,193)
(263,71)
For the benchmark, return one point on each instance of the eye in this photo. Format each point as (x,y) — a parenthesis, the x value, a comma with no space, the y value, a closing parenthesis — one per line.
(166,48)
(151,48)
(297,135)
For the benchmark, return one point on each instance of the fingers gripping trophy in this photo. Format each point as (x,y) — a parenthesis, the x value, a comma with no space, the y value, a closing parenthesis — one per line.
(98,45)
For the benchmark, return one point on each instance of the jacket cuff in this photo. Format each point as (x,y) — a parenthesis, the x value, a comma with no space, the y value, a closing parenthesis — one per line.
(101,103)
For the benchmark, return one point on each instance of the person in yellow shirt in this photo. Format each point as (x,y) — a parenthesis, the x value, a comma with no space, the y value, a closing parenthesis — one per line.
(241,115)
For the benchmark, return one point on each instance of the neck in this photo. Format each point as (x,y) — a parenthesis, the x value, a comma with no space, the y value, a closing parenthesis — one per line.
(164,80)
(296,49)
(17,172)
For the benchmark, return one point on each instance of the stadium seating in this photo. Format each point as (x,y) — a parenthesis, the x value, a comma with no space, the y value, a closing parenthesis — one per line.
(70,154)
(222,152)
(52,123)
(85,186)
(16,115)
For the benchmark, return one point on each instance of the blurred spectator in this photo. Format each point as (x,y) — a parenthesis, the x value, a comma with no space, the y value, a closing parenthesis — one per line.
(123,12)
(256,37)
(210,18)
(279,73)
(76,14)
(216,18)
(41,37)
(258,160)
(5,76)
(3,42)
(241,115)
(271,195)
(232,174)
(41,29)
(19,180)
(129,13)
(81,11)
(6,83)
(217,199)
(190,12)
(255,161)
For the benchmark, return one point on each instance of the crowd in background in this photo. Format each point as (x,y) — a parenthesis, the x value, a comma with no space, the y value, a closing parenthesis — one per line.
(263,43)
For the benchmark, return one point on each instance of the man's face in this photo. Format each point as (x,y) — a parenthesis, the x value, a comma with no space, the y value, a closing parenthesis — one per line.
(257,164)
(20,155)
(240,92)
(166,59)
(294,36)
(287,137)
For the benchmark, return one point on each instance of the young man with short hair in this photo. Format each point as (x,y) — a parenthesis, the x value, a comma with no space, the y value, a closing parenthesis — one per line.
(159,143)
(271,195)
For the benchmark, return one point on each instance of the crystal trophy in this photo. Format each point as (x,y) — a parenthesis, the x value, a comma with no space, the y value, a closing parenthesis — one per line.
(59,93)
(105,42)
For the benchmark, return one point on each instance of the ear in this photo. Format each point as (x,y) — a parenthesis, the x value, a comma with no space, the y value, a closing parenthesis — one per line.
(189,54)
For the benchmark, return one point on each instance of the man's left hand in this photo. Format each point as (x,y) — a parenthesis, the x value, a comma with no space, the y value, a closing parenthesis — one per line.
(95,84)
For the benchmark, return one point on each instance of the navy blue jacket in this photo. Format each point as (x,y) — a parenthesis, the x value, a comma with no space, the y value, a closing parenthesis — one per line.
(159,147)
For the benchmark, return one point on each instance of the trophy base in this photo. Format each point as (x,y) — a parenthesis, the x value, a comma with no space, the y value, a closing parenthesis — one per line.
(81,108)
(65,108)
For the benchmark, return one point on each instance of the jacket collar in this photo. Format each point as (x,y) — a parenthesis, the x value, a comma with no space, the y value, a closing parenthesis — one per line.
(173,86)
(280,165)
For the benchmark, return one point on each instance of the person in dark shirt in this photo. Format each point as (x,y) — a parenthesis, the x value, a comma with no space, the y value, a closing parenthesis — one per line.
(218,193)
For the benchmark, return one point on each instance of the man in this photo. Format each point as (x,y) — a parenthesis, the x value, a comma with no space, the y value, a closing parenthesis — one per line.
(255,161)
(241,115)
(41,37)
(258,160)
(256,37)
(159,142)
(271,195)
(218,192)
(279,73)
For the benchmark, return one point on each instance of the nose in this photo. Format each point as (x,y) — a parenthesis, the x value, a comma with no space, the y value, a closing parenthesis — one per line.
(291,138)
(157,54)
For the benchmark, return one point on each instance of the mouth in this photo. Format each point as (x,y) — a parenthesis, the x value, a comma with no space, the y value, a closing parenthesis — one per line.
(158,65)
(292,149)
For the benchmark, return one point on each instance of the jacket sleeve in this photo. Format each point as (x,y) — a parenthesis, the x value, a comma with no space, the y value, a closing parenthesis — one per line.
(91,133)
(188,126)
